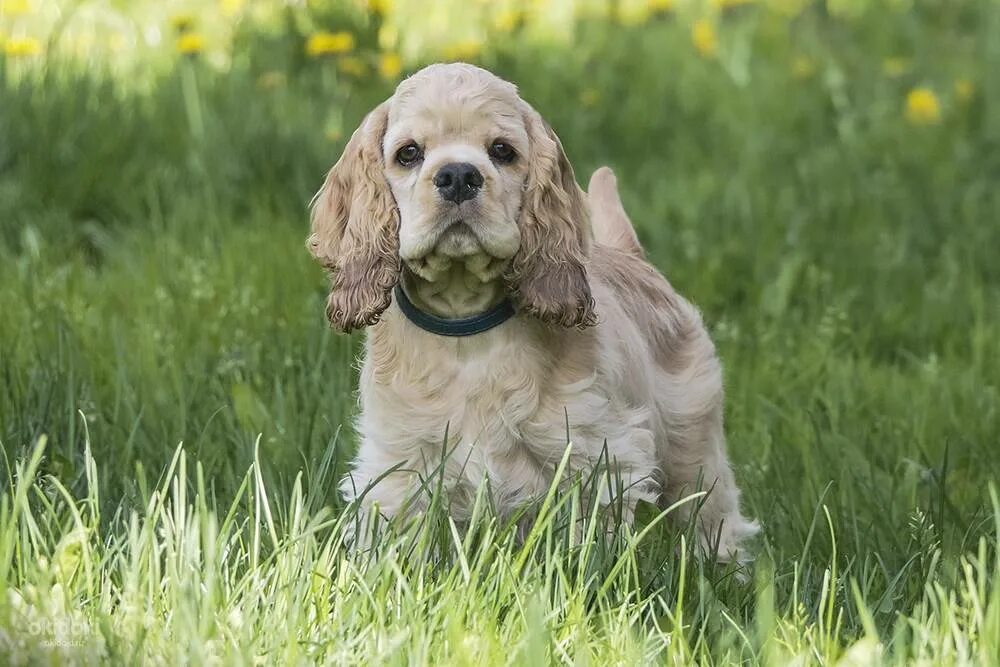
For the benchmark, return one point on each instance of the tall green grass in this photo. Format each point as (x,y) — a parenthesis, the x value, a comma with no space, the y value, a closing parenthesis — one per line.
(181,578)
(162,334)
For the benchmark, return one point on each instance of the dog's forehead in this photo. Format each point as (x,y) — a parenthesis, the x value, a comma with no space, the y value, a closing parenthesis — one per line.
(455,80)
(455,97)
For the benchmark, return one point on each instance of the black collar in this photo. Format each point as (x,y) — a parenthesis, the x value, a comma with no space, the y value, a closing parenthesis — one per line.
(463,326)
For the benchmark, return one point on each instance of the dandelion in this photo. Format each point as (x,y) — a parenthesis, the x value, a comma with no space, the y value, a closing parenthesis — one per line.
(326,43)
(895,66)
(388,35)
(352,66)
(922,107)
(231,7)
(390,65)
(468,49)
(964,90)
(190,43)
(22,47)
(380,7)
(630,14)
(661,6)
(508,20)
(803,68)
(704,38)
(15,7)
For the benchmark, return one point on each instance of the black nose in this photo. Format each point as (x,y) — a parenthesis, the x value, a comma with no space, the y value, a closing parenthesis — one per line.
(458,181)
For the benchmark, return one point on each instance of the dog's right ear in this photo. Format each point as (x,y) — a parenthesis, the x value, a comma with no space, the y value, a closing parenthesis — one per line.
(355,229)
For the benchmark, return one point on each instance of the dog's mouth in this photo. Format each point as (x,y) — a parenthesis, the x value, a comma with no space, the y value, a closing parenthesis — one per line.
(457,241)
(458,249)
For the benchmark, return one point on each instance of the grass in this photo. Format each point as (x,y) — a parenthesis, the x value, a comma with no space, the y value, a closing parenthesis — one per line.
(174,413)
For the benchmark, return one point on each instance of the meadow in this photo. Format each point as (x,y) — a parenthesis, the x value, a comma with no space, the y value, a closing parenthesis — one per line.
(821,178)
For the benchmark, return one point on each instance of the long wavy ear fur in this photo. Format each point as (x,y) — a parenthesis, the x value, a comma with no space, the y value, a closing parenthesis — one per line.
(355,229)
(547,276)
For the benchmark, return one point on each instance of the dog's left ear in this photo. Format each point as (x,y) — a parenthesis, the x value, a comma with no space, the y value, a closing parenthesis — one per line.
(547,276)
(355,229)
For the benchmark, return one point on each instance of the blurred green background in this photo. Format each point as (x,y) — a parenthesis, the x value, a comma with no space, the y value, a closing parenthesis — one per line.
(821,178)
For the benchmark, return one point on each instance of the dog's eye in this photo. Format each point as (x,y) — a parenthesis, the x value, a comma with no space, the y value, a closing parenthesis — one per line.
(408,154)
(501,151)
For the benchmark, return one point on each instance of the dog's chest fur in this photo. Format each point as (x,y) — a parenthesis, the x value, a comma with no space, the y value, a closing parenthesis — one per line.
(503,401)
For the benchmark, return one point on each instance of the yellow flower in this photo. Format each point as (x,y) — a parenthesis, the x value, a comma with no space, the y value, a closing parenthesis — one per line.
(19,47)
(468,49)
(922,107)
(964,90)
(589,97)
(390,65)
(380,7)
(388,35)
(660,5)
(190,43)
(508,20)
(231,7)
(803,67)
(704,38)
(632,14)
(15,7)
(352,66)
(895,66)
(325,43)
(182,22)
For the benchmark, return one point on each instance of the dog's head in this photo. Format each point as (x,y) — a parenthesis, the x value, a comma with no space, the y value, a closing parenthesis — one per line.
(454,166)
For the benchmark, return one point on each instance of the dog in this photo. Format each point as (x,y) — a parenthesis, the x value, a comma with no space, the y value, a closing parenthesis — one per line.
(513,312)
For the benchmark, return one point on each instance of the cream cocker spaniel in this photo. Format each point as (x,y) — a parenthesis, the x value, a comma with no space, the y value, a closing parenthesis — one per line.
(505,305)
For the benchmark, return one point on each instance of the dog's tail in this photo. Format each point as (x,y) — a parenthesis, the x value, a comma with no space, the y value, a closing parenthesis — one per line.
(612,226)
